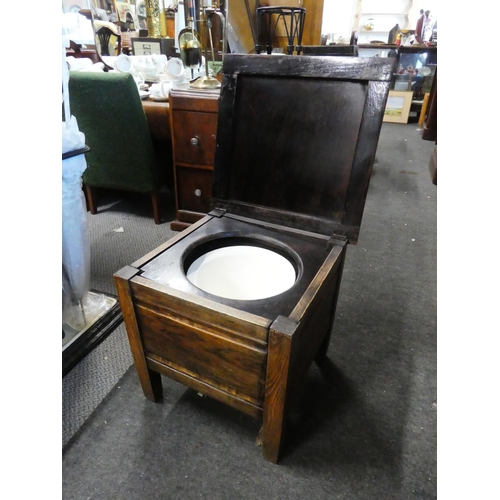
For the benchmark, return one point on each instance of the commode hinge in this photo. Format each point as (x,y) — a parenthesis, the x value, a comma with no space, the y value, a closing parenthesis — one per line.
(217,212)
(337,239)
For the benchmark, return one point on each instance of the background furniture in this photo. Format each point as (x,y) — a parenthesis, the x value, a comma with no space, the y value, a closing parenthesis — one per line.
(77,51)
(109,112)
(268,20)
(375,18)
(108,42)
(330,50)
(144,46)
(107,38)
(429,131)
(254,355)
(194,127)
(158,117)
(415,56)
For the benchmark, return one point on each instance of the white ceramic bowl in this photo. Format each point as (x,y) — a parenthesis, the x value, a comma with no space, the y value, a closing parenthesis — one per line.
(242,272)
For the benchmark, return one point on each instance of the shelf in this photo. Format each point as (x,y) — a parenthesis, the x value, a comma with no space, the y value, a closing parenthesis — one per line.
(383,23)
(397,6)
(384,14)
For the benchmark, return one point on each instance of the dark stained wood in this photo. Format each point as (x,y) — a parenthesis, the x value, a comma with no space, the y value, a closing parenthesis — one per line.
(78,52)
(296,141)
(203,101)
(194,115)
(156,201)
(323,348)
(433,165)
(158,116)
(333,108)
(194,137)
(294,342)
(194,189)
(362,68)
(429,132)
(176,225)
(150,380)
(206,389)
(169,243)
(332,50)
(164,269)
(231,346)
(231,323)
(276,400)
(91,199)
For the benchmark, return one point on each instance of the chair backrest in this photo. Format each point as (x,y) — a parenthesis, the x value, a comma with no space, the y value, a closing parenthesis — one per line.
(107,42)
(109,112)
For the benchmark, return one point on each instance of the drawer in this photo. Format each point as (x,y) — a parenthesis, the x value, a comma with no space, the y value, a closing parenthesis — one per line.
(194,137)
(194,189)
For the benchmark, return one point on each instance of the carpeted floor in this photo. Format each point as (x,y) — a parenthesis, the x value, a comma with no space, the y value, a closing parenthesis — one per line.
(366,427)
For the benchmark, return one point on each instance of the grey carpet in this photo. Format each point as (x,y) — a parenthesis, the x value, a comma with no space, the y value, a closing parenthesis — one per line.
(366,425)
(120,233)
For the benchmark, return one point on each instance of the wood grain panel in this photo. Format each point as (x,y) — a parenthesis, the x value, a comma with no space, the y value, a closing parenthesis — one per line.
(231,323)
(226,352)
(178,342)
(198,127)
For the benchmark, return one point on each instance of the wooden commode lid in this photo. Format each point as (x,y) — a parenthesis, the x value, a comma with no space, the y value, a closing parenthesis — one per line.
(297,137)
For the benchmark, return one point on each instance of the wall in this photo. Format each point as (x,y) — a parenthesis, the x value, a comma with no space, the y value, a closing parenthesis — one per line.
(240,10)
(339,16)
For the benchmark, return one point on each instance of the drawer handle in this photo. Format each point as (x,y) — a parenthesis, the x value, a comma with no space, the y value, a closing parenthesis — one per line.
(197,192)
(194,141)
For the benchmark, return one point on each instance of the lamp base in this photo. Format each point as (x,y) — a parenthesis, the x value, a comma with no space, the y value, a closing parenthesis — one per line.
(206,82)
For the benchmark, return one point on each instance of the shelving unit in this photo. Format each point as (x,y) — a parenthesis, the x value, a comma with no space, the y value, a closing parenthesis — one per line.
(383,16)
(420,81)
(194,115)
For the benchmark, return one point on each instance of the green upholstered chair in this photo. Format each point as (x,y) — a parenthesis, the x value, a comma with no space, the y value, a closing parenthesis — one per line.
(109,112)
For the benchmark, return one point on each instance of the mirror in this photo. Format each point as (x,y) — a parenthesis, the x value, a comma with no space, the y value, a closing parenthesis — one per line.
(107,38)
(131,14)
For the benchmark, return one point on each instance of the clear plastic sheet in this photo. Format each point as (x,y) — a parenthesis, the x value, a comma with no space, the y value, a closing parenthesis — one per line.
(75,242)
(79,307)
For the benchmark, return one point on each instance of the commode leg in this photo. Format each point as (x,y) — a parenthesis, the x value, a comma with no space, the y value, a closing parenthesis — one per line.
(150,380)
(277,386)
(325,344)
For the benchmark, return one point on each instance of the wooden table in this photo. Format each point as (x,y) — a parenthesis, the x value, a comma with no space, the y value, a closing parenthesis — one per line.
(158,115)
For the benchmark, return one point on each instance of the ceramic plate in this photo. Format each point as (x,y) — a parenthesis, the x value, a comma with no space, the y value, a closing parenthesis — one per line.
(158,99)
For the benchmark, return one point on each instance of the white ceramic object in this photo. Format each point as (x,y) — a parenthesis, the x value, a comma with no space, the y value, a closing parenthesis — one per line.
(160,91)
(242,272)
(174,68)
(123,63)
(78,64)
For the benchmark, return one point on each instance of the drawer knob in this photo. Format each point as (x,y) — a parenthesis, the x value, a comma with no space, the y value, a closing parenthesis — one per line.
(194,141)
(197,192)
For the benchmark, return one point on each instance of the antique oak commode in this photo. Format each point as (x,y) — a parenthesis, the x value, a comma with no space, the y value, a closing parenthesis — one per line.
(296,142)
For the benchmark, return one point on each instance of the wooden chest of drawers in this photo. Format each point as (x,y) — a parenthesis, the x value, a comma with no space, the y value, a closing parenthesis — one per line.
(193,115)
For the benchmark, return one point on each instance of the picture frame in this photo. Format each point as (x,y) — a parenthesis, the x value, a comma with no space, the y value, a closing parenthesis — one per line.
(126,13)
(398,106)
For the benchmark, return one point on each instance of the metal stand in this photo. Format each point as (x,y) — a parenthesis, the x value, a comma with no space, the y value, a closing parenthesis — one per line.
(293,19)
